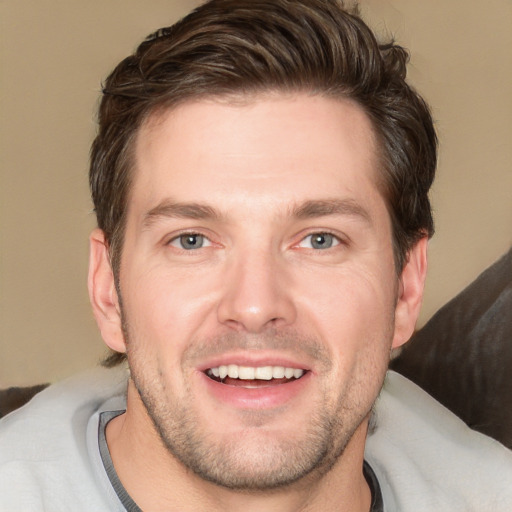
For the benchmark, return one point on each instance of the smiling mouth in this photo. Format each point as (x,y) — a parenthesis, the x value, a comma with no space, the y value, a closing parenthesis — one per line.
(254,376)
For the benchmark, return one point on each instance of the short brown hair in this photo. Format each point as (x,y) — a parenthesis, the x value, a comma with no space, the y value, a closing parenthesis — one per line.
(248,46)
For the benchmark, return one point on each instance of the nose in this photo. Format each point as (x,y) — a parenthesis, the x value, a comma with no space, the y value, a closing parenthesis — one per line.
(256,294)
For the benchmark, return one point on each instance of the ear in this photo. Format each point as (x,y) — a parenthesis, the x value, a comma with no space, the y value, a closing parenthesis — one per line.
(410,293)
(103,293)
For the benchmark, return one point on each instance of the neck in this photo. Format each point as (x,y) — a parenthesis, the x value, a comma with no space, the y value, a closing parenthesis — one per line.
(142,462)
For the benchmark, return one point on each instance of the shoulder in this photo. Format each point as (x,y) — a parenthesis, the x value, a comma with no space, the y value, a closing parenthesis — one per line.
(44,456)
(428,459)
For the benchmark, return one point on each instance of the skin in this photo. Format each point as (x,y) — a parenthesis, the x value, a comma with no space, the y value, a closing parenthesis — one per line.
(259,178)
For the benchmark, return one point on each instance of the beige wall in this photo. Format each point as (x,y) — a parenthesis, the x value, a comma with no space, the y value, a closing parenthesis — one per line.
(54,54)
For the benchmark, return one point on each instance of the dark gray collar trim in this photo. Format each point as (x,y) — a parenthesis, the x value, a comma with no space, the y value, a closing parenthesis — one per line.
(123,496)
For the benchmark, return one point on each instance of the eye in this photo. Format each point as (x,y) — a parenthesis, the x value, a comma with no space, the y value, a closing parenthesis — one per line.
(190,241)
(319,241)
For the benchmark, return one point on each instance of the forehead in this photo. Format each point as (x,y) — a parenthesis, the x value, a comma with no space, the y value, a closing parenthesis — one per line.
(272,147)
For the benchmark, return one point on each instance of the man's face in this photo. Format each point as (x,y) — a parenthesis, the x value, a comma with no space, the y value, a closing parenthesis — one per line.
(257,243)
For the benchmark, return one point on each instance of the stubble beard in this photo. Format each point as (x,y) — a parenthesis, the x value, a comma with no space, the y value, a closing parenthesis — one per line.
(257,460)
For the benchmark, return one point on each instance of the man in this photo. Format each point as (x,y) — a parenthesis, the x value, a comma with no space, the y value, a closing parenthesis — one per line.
(260,179)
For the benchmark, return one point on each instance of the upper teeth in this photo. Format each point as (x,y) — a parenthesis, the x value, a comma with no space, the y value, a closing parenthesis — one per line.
(255,372)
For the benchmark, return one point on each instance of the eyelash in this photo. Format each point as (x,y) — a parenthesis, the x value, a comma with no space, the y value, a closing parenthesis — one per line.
(190,234)
(336,239)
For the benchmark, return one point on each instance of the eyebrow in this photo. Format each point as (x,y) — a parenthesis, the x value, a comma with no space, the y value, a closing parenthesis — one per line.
(325,207)
(306,210)
(171,209)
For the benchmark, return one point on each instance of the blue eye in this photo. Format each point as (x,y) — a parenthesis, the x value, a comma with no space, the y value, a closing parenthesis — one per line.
(190,241)
(319,241)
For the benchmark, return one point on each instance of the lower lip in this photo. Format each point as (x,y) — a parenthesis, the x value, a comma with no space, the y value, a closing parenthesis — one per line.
(263,397)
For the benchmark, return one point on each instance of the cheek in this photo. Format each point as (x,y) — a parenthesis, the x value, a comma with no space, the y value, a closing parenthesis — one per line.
(356,321)
(165,309)
(356,292)
(352,311)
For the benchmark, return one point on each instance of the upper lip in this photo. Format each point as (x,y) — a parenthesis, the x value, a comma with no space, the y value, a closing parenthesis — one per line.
(254,360)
